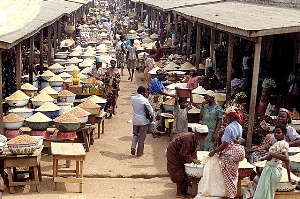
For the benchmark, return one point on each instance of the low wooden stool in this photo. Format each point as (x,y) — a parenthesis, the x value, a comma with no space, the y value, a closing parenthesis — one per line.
(100,121)
(68,151)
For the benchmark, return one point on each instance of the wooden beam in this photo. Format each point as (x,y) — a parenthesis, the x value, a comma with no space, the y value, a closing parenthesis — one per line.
(181,34)
(59,32)
(229,66)
(18,65)
(31,56)
(1,94)
(169,23)
(189,39)
(142,13)
(55,37)
(253,92)
(154,20)
(212,47)
(198,45)
(49,44)
(176,26)
(41,47)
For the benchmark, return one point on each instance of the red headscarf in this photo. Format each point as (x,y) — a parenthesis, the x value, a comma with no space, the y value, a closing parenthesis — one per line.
(285,110)
(236,113)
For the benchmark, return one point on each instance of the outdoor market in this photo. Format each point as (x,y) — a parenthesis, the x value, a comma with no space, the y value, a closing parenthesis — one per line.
(149,99)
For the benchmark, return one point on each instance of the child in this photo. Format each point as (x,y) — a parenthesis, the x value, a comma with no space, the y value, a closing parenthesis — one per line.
(181,108)
(271,174)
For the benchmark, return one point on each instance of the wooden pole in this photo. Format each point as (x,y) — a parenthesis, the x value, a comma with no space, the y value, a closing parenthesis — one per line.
(41,51)
(31,56)
(198,46)
(212,48)
(49,44)
(176,26)
(1,94)
(188,50)
(181,34)
(18,65)
(169,23)
(254,92)
(55,37)
(154,20)
(229,66)
(59,32)
(142,13)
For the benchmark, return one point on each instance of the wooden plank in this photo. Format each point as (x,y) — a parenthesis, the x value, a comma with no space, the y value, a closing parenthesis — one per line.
(67,149)
(189,39)
(198,45)
(49,44)
(41,47)
(18,65)
(19,162)
(212,47)
(176,26)
(24,183)
(66,171)
(229,66)
(31,40)
(254,92)
(68,180)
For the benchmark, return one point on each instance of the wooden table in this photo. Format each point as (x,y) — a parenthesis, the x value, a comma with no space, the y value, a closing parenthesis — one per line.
(87,133)
(11,162)
(100,121)
(68,151)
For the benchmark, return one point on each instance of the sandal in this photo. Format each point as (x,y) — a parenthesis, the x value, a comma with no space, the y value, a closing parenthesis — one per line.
(132,151)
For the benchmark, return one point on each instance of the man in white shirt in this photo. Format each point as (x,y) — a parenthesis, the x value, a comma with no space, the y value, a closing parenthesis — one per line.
(139,120)
(96,70)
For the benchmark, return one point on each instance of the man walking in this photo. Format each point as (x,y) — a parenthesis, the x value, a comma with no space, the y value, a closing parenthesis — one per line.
(140,106)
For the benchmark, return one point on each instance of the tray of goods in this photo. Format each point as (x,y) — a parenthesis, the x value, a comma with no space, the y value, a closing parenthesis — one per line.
(169,104)
(38,122)
(90,106)
(194,170)
(67,122)
(22,145)
(80,113)
(18,98)
(98,100)
(12,121)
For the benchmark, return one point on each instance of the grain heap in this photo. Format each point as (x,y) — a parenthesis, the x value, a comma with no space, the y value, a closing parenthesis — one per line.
(12,118)
(199,90)
(74,53)
(91,80)
(71,68)
(194,110)
(284,177)
(66,93)
(65,75)
(48,106)
(219,97)
(96,99)
(171,66)
(170,101)
(245,164)
(49,90)
(43,97)
(56,66)
(38,117)
(29,87)
(67,118)
(47,73)
(186,66)
(56,78)
(18,95)
(75,60)
(78,112)
(198,99)
(295,158)
(82,76)
(88,104)
(22,140)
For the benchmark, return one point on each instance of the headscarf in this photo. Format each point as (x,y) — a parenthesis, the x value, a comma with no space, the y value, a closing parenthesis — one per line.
(264,125)
(285,110)
(194,69)
(210,93)
(98,60)
(235,112)
(241,96)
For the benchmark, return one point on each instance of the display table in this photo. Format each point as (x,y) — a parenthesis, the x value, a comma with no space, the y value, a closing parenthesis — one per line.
(100,121)
(68,151)
(11,162)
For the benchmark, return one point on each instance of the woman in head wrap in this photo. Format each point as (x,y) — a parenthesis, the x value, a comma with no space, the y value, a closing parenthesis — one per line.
(192,80)
(211,115)
(182,150)
(231,153)
(156,93)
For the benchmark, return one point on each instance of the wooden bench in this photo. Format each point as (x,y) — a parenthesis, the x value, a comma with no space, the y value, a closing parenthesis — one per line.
(100,121)
(68,151)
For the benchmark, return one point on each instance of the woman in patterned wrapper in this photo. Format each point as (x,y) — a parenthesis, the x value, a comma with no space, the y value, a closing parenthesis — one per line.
(231,152)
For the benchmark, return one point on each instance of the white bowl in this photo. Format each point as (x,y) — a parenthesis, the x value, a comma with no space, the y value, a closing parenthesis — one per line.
(61,55)
(285,186)
(70,63)
(40,139)
(192,171)
(88,56)
(67,99)
(37,104)
(25,113)
(46,77)
(17,102)
(13,125)
(57,70)
(295,166)
(84,119)
(60,61)
(56,83)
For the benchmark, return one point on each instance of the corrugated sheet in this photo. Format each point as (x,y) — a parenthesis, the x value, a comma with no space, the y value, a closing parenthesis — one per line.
(51,11)
(250,20)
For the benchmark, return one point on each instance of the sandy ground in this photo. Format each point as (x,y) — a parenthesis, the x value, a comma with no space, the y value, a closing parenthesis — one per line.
(110,171)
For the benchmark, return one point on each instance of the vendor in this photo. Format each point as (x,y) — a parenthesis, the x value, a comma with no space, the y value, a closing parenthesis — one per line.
(156,94)
(210,80)
(231,152)
(159,52)
(96,70)
(256,152)
(292,137)
(192,80)
(67,45)
(211,115)
(149,65)
(180,151)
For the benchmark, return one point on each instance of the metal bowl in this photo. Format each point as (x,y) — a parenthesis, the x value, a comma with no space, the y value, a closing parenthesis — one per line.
(3,139)
(93,111)
(17,102)
(38,126)
(46,77)
(13,125)
(22,149)
(60,61)
(22,112)
(67,126)
(67,99)
(61,55)
(295,166)
(50,114)
(57,70)
(39,103)
(56,83)
(285,186)
(192,171)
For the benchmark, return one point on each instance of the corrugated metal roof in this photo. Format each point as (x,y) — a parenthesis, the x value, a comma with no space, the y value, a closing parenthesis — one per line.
(51,11)
(250,20)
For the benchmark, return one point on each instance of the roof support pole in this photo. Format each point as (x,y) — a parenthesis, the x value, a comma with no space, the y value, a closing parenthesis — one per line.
(188,50)
(212,47)
(1,100)
(59,32)
(181,34)
(229,66)
(55,37)
(169,23)
(31,41)
(41,51)
(257,54)
(142,13)
(176,26)
(154,20)
(198,45)
(18,65)
(49,44)
(151,19)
